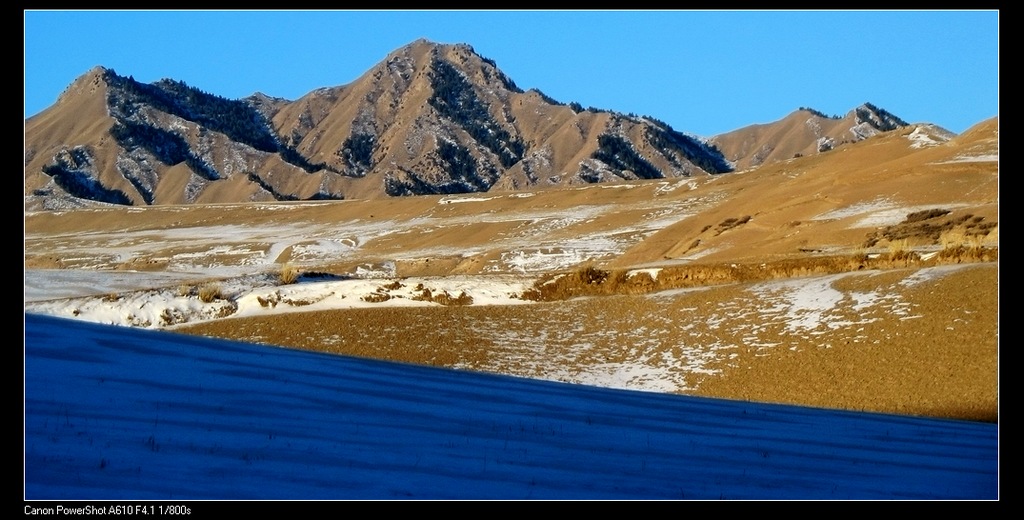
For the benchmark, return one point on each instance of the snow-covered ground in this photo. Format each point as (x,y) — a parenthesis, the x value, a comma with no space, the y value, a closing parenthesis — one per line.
(877,213)
(115,413)
(248,296)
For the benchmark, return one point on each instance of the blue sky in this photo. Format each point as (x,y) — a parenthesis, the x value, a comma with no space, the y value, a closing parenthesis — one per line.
(703,72)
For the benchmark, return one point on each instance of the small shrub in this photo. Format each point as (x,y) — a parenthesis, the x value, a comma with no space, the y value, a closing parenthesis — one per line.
(962,246)
(918,216)
(732,222)
(899,251)
(425,295)
(858,260)
(447,299)
(376,297)
(984,228)
(953,239)
(210,292)
(289,274)
(532,294)
(270,301)
(590,276)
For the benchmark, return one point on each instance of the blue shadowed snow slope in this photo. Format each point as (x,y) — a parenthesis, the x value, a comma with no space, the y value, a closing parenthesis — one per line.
(119,413)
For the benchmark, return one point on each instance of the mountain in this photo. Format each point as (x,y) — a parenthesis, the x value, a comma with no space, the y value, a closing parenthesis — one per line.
(429,119)
(804,132)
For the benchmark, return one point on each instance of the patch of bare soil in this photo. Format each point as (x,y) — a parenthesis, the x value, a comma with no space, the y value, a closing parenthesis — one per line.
(908,341)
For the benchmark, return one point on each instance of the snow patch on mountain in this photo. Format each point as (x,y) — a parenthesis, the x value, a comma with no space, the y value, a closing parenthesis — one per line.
(925,136)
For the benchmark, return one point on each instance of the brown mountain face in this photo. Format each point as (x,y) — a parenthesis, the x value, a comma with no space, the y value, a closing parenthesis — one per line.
(428,119)
(804,132)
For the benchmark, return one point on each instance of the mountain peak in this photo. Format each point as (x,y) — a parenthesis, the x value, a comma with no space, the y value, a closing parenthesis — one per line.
(818,113)
(879,118)
(805,131)
(88,83)
(423,46)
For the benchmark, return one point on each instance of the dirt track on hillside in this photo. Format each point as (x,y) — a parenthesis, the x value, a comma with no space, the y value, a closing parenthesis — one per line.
(919,345)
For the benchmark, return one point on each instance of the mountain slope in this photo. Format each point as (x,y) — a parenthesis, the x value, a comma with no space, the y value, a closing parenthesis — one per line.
(838,199)
(804,132)
(429,119)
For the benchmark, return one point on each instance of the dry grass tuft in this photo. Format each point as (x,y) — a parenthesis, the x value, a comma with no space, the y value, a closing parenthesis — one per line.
(393,286)
(859,260)
(270,301)
(730,223)
(953,239)
(959,246)
(425,295)
(448,300)
(900,251)
(992,237)
(444,298)
(376,297)
(918,216)
(289,274)
(898,247)
(210,292)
